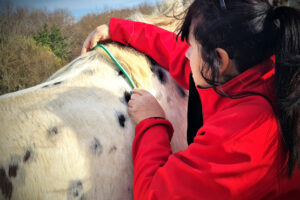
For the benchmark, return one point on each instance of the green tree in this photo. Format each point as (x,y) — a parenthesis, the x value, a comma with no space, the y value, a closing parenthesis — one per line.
(53,39)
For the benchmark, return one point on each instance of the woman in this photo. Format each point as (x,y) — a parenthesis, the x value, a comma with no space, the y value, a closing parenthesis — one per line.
(243,134)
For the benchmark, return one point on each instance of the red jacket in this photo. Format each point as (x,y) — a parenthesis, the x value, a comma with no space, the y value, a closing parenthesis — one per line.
(236,154)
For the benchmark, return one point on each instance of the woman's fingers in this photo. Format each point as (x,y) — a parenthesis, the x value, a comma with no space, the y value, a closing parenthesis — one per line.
(139,91)
(94,42)
(101,33)
(143,105)
(130,104)
(85,48)
(86,44)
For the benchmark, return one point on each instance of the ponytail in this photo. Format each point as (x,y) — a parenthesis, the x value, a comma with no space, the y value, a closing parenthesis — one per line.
(287,78)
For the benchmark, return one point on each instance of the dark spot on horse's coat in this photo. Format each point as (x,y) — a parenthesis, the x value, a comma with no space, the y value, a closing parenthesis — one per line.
(5,184)
(112,149)
(12,171)
(161,75)
(152,61)
(181,91)
(57,83)
(120,73)
(127,96)
(121,119)
(75,190)
(53,131)
(129,189)
(152,68)
(96,147)
(26,156)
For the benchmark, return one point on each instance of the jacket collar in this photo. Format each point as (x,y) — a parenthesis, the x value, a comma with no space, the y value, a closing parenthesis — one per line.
(258,79)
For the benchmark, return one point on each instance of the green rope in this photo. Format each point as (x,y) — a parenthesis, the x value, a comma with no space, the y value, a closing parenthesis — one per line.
(118,64)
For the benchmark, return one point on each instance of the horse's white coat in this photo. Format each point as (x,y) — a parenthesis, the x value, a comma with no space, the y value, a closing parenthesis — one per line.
(62,139)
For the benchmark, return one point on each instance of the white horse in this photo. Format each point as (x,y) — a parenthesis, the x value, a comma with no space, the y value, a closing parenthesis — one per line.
(70,137)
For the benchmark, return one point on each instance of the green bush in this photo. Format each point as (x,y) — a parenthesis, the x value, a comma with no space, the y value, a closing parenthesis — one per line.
(53,39)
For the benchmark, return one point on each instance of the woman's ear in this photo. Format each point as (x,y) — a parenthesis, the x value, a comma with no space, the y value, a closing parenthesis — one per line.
(224,60)
(227,68)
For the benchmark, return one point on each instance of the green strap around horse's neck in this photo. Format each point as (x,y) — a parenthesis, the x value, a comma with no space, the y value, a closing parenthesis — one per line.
(118,64)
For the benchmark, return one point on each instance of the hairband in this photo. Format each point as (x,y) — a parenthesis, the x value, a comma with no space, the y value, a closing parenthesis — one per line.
(222,4)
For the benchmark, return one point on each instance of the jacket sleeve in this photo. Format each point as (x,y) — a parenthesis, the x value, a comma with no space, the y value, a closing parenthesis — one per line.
(223,163)
(159,44)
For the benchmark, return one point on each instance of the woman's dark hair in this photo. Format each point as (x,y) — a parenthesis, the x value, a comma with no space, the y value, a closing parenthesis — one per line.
(251,31)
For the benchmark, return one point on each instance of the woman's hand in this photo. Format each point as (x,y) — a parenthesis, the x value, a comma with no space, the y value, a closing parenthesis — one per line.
(101,33)
(143,105)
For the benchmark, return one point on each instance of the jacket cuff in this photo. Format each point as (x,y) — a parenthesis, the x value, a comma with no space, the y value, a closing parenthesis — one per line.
(146,124)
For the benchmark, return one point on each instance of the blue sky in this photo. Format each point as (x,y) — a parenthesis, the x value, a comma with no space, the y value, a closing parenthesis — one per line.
(78,8)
